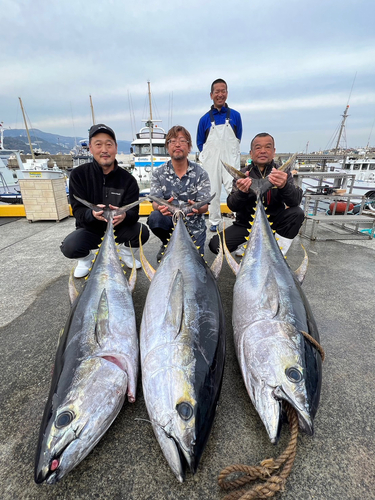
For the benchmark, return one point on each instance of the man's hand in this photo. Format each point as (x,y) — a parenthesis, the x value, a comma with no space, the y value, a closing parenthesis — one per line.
(195,211)
(278,178)
(163,208)
(99,215)
(117,219)
(244,184)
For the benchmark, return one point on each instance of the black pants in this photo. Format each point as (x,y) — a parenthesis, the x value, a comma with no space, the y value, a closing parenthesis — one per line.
(286,223)
(79,243)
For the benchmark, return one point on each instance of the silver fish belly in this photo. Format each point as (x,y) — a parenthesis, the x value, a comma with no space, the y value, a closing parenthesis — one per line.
(182,346)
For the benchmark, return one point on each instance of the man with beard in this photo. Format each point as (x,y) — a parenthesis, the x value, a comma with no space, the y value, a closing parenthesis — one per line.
(179,179)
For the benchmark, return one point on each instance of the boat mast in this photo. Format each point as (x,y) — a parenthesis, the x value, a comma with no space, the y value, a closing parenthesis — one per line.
(92,111)
(27,130)
(344,117)
(150,125)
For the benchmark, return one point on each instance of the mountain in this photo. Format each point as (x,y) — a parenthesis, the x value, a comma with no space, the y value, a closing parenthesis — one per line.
(53,143)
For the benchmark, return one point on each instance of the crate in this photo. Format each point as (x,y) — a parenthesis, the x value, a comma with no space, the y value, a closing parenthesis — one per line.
(44,199)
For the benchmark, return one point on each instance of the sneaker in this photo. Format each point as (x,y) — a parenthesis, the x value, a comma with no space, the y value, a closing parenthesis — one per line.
(83,267)
(240,250)
(213,228)
(160,253)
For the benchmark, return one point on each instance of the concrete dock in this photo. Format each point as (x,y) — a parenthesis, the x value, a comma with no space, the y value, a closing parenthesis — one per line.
(338,462)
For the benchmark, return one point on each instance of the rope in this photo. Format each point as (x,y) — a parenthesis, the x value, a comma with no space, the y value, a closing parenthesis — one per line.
(273,471)
(315,343)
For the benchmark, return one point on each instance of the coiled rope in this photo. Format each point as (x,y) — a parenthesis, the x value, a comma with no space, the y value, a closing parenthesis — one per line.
(274,473)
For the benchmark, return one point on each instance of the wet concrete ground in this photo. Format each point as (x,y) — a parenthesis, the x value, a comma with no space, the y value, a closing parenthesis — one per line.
(338,462)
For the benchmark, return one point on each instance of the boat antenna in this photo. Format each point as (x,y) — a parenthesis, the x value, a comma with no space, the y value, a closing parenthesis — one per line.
(149,98)
(27,130)
(92,111)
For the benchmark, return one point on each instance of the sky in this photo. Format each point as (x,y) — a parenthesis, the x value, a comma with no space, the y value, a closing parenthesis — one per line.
(291,66)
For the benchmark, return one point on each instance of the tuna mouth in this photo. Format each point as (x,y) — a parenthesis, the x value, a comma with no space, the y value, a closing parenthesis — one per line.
(304,419)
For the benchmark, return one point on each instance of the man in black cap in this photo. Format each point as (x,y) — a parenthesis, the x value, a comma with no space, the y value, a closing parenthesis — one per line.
(102,182)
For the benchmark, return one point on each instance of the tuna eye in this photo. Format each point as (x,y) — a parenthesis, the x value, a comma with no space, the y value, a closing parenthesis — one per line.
(293,375)
(185,411)
(64,419)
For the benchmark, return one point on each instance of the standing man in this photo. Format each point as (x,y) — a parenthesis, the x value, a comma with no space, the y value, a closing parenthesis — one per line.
(282,200)
(179,179)
(102,182)
(218,138)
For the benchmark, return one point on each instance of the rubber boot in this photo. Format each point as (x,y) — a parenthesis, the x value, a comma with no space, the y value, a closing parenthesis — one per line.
(127,257)
(284,243)
(83,266)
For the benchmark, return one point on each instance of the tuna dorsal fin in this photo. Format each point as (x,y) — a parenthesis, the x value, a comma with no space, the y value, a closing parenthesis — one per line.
(102,316)
(175,308)
(73,292)
(300,273)
(231,260)
(147,267)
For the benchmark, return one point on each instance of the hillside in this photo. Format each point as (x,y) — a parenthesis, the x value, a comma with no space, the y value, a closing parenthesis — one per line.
(53,143)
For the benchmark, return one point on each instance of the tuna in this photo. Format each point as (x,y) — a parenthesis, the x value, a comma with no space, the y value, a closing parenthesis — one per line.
(96,364)
(182,344)
(271,317)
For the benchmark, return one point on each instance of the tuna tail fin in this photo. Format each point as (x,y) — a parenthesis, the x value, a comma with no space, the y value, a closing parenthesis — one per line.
(125,208)
(172,208)
(258,186)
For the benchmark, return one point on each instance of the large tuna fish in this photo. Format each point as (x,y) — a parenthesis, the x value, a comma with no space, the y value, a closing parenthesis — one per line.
(271,316)
(182,345)
(96,364)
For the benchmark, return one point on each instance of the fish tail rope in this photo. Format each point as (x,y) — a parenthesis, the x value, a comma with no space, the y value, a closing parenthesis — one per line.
(273,471)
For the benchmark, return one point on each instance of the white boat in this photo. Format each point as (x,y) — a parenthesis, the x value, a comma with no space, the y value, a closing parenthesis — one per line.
(81,153)
(9,190)
(364,168)
(149,150)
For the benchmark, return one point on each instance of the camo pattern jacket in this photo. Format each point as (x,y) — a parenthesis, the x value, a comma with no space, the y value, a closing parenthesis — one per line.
(194,185)
(275,199)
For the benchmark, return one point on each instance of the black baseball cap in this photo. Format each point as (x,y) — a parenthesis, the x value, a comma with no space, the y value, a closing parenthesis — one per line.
(101,128)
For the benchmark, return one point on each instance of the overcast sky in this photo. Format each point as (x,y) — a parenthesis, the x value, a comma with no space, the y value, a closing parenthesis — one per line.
(290,65)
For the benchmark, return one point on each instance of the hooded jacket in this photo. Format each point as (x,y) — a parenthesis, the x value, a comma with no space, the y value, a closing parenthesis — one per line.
(117,188)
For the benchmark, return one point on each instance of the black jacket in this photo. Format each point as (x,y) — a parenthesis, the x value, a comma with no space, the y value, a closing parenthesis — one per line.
(117,188)
(275,199)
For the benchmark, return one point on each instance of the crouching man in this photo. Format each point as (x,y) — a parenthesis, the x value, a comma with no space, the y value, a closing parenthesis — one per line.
(102,182)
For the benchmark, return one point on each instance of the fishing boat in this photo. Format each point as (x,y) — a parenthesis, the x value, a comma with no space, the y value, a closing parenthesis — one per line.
(361,165)
(9,190)
(149,150)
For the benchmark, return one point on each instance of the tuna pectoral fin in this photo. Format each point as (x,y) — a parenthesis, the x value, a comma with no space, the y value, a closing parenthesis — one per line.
(300,273)
(269,298)
(102,315)
(175,308)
